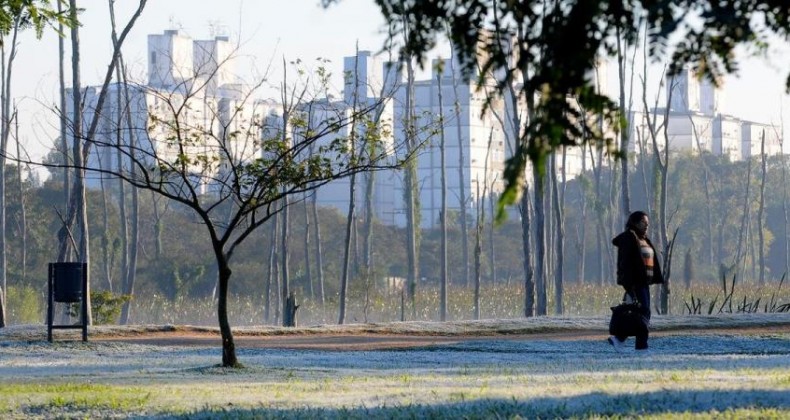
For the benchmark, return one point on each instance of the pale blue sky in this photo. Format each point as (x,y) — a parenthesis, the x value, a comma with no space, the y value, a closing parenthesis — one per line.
(276,28)
(265,28)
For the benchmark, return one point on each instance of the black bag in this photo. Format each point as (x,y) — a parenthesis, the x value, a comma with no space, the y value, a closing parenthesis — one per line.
(627,320)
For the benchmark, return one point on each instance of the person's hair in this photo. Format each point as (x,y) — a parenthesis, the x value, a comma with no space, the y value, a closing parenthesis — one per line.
(634,218)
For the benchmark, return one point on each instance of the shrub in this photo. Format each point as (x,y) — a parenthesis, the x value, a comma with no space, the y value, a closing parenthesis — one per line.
(24,305)
(105,305)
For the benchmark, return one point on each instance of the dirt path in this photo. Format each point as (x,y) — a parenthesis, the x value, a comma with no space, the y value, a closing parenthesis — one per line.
(371,341)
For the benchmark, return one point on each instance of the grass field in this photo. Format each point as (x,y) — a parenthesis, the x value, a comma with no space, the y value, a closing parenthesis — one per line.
(485,373)
(497,301)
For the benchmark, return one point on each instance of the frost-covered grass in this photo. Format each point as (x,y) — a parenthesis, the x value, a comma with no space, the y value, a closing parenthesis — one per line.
(721,375)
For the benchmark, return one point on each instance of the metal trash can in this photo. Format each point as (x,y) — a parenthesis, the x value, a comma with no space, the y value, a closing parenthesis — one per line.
(67,279)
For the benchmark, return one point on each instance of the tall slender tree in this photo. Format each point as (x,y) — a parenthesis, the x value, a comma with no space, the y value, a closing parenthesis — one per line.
(761,210)
(5,134)
(463,201)
(444,280)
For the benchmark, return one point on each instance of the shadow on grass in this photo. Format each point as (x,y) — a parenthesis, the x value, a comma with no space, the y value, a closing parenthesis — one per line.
(754,404)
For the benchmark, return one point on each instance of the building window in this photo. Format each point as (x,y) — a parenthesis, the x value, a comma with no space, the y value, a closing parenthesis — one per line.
(153,57)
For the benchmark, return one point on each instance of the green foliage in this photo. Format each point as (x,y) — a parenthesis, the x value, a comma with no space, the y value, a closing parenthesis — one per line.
(557,45)
(30,13)
(106,307)
(25,305)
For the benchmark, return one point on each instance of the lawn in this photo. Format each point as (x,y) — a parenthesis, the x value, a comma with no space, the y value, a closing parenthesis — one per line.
(485,372)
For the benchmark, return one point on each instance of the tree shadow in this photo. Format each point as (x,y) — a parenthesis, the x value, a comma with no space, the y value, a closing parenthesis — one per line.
(597,404)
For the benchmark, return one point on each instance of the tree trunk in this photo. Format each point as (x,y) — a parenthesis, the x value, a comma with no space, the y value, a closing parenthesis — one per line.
(478,251)
(529,284)
(540,238)
(131,272)
(411,195)
(706,183)
(158,225)
(761,212)
(443,257)
(740,253)
(121,105)
(347,250)
(270,278)
(279,302)
(462,199)
(307,268)
(286,292)
(625,207)
(122,208)
(491,240)
(319,254)
(132,244)
(224,272)
(367,235)
(559,215)
(601,242)
(289,314)
(105,239)
(665,244)
(22,201)
(5,133)
(64,144)
(786,213)
(582,227)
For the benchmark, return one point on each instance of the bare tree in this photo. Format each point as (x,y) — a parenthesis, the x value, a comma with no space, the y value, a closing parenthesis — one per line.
(272,274)
(352,145)
(129,246)
(462,185)
(625,206)
(411,193)
(761,210)
(82,142)
(63,119)
(480,216)
(663,167)
(319,254)
(307,268)
(443,216)
(5,133)
(786,217)
(22,197)
(559,214)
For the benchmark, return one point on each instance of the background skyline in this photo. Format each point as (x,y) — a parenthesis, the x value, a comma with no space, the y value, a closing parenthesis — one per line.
(298,29)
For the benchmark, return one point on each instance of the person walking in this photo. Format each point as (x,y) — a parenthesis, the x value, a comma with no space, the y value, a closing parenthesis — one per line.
(637,268)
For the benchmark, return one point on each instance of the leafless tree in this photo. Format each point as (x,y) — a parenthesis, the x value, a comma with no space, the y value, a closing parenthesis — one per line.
(443,216)
(6,71)
(462,185)
(82,142)
(761,210)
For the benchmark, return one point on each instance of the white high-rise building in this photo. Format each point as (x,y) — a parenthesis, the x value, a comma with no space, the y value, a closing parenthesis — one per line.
(215,124)
(213,63)
(691,95)
(364,90)
(695,125)
(170,59)
(467,131)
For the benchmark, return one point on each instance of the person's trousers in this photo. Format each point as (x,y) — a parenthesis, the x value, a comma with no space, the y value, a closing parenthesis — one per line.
(641,295)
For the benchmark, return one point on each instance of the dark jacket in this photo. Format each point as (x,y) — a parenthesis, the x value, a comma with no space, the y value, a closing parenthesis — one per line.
(631,270)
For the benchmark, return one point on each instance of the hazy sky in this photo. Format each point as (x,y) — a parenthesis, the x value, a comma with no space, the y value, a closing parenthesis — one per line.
(266,29)
(270,29)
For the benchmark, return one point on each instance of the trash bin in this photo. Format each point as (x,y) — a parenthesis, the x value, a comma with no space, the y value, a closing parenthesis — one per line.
(67,279)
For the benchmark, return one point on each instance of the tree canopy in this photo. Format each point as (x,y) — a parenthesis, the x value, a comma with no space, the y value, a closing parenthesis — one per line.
(548,50)
(34,13)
